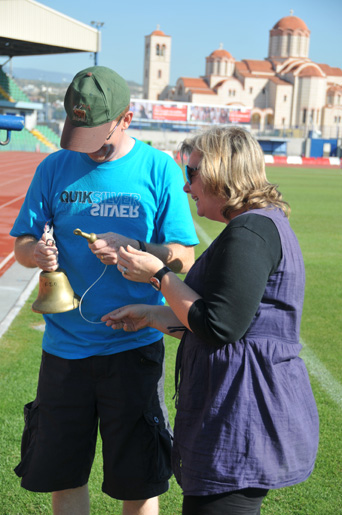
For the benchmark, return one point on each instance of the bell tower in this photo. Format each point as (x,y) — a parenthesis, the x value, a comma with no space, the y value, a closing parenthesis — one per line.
(157,62)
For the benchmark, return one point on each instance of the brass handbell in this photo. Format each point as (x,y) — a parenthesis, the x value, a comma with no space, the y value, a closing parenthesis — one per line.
(55,293)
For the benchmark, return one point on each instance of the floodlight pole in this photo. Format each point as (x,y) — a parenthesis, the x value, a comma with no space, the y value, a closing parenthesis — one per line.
(97,25)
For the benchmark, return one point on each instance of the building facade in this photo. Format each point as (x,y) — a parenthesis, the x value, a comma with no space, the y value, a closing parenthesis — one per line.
(284,91)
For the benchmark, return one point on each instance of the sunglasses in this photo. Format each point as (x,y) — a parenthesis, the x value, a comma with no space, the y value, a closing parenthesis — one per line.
(190,172)
(112,132)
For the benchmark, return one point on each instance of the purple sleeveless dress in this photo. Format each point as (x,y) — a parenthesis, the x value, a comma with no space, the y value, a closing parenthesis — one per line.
(246,416)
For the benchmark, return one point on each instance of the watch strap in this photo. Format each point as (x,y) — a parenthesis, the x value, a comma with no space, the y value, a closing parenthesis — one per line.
(163,271)
(142,246)
(156,279)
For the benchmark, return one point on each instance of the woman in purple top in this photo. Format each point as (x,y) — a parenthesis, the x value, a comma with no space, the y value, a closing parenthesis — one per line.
(246,417)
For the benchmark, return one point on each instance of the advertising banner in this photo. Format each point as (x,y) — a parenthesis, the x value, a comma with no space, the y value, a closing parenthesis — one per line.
(141,109)
(208,114)
(173,112)
(159,111)
(240,116)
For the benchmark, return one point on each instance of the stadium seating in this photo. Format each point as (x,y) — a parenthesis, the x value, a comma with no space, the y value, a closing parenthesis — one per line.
(9,89)
(23,141)
(40,139)
(43,139)
(49,134)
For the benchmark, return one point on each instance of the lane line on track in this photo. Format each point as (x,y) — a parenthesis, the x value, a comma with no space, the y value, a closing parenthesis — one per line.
(13,201)
(6,260)
(19,178)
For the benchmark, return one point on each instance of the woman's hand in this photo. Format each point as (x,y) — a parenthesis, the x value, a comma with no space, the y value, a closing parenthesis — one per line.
(136,265)
(129,318)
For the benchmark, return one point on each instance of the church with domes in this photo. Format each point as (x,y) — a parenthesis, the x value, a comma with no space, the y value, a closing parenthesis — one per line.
(284,91)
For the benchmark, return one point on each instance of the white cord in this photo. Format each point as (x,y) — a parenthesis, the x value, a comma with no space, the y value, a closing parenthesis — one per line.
(84,294)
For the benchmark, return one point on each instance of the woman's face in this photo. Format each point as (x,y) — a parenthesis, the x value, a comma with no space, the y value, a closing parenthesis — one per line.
(207,204)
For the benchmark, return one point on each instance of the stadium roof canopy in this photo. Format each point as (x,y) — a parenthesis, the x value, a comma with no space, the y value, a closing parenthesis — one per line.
(30,28)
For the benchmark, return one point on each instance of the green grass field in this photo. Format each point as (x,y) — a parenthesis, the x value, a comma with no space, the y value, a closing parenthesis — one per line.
(314,196)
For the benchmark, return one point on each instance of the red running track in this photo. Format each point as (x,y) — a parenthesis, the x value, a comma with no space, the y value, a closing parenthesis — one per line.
(16,172)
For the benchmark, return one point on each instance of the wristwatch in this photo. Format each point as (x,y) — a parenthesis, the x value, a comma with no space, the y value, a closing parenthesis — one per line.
(156,279)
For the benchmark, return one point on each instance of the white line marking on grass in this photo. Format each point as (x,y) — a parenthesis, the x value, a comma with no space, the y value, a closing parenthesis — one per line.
(327,381)
(202,234)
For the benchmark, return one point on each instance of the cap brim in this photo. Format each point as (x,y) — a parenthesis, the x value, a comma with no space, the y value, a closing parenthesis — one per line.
(84,139)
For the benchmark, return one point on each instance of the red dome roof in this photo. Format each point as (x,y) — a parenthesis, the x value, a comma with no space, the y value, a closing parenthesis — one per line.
(220,53)
(157,33)
(291,23)
(310,71)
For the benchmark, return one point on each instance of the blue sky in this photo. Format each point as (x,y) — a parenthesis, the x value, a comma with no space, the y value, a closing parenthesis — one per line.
(197,28)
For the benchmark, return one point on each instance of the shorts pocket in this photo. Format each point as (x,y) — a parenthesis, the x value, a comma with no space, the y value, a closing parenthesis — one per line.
(157,448)
(28,437)
(151,355)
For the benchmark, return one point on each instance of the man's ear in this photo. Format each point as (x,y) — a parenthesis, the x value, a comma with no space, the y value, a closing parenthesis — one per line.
(127,120)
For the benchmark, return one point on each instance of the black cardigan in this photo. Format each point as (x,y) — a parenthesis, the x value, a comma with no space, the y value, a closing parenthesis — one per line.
(245,254)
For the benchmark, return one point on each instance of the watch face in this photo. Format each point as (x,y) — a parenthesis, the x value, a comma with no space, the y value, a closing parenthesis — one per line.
(155,283)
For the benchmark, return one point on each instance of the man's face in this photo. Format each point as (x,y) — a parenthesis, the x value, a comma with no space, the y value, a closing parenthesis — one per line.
(106,152)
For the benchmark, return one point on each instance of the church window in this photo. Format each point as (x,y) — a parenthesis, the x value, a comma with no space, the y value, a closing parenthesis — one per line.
(250,91)
(159,74)
(163,50)
(304,116)
(285,98)
(158,49)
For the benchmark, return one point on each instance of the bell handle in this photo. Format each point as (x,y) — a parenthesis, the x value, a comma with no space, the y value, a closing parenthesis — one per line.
(90,237)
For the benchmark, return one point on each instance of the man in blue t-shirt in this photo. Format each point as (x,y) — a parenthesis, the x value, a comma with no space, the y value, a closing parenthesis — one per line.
(127,193)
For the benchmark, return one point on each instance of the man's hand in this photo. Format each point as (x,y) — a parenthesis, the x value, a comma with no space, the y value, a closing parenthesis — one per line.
(46,254)
(129,318)
(107,246)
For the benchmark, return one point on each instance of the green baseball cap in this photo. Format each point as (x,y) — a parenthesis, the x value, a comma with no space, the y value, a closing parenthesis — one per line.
(94,99)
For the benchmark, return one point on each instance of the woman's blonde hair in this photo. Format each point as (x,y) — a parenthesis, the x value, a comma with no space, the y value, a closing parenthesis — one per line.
(233,167)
